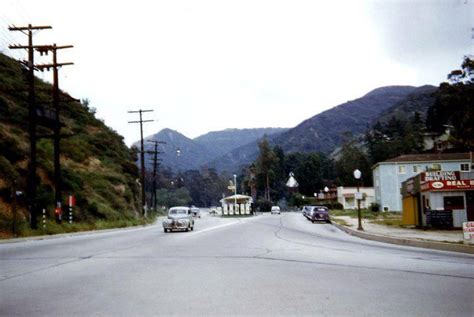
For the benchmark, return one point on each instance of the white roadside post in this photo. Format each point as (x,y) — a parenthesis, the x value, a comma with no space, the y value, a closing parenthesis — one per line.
(44,218)
(72,202)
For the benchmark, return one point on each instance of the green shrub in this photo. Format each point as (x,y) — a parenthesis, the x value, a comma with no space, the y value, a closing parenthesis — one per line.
(374,207)
(264,205)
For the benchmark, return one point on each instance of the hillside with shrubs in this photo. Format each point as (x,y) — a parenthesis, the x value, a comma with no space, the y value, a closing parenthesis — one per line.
(97,167)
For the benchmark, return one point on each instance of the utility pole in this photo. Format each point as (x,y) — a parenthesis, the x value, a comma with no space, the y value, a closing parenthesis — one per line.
(155,167)
(142,154)
(31,186)
(44,49)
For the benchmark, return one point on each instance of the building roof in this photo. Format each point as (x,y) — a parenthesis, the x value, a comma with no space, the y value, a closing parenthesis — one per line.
(238,197)
(429,157)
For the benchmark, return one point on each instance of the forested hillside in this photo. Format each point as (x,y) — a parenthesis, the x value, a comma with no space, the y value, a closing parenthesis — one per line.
(97,167)
(324,132)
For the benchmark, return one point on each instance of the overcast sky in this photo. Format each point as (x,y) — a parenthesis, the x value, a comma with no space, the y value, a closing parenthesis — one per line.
(209,65)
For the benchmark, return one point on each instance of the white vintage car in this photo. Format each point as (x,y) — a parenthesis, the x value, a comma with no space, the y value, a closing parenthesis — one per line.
(179,218)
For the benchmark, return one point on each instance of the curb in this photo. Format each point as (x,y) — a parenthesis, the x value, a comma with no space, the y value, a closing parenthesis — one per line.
(74,234)
(409,242)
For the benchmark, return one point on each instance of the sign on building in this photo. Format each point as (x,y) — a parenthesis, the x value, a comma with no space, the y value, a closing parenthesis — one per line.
(444,180)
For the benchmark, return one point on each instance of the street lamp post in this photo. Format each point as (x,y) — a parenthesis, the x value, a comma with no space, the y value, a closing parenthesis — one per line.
(235,193)
(357,175)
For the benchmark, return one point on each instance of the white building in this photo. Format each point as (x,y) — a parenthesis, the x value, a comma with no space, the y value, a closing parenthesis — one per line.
(236,205)
(346,197)
(389,175)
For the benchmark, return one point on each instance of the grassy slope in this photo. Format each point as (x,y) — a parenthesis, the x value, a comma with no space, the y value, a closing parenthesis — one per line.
(96,164)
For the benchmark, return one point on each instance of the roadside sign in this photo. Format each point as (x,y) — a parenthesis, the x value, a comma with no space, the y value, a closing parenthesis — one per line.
(358,195)
(468,230)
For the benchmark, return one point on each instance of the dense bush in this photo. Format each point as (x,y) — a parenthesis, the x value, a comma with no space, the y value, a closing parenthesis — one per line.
(374,207)
(263,205)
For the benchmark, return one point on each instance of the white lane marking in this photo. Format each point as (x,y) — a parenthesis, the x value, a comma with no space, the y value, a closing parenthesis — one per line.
(216,227)
(220,226)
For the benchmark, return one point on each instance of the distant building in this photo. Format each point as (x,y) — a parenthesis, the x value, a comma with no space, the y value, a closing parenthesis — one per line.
(346,197)
(236,205)
(389,175)
(435,142)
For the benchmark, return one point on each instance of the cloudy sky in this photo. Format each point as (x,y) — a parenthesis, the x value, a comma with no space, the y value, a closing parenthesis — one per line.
(213,64)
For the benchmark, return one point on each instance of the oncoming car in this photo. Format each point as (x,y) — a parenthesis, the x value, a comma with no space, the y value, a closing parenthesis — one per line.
(179,218)
(275,210)
(196,212)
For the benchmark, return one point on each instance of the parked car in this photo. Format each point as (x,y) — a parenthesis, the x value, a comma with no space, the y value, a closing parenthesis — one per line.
(196,212)
(275,210)
(179,218)
(318,213)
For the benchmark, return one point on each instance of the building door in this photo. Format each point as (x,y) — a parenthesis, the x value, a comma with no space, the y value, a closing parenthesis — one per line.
(470,205)
(455,204)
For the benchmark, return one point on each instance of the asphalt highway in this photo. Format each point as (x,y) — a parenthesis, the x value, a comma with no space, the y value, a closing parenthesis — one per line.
(267,265)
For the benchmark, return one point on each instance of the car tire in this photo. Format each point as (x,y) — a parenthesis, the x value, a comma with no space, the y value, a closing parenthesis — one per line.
(312,221)
(165,230)
(192,228)
(328,221)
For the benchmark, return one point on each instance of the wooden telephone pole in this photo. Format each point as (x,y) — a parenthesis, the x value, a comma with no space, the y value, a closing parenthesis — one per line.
(155,160)
(142,155)
(31,186)
(44,49)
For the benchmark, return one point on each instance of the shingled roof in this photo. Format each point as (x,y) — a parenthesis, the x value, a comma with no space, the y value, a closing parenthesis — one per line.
(429,157)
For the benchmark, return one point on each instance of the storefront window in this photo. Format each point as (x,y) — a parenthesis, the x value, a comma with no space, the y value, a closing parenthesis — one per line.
(454,202)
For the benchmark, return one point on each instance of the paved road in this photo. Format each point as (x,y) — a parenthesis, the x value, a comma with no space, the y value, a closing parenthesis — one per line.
(266,265)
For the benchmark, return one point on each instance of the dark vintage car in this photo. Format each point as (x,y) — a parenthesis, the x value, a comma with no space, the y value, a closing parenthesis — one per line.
(317,213)
(179,218)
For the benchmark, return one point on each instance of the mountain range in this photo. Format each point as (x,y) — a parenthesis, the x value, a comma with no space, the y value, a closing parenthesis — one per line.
(179,152)
(231,149)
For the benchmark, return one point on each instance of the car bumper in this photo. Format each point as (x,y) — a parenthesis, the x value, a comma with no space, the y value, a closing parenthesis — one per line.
(319,218)
(175,226)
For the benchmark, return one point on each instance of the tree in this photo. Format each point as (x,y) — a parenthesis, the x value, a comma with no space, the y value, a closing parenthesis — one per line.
(396,137)
(266,163)
(454,107)
(167,198)
(352,158)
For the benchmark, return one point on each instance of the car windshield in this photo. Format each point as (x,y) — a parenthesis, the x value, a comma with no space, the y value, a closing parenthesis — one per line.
(178,212)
